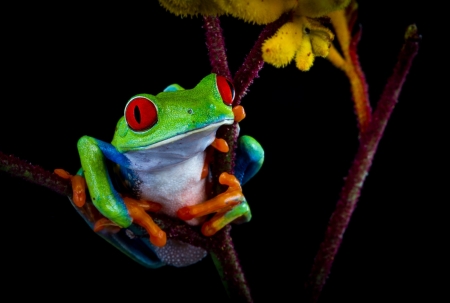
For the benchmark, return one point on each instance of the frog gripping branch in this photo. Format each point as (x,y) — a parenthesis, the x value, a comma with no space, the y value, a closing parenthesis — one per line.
(158,161)
(155,191)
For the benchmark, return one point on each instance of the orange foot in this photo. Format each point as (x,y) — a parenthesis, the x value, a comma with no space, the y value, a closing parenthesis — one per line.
(138,211)
(78,186)
(221,204)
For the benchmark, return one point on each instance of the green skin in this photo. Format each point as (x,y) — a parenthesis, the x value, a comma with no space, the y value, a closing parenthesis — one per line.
(180,113)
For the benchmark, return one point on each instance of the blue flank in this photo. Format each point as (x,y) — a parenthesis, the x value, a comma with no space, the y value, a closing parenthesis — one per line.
(112,154)
(249,159)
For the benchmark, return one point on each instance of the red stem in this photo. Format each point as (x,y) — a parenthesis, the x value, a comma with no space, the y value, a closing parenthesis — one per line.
(360,167)
(254,62)
(225,255)
(34,174)
(216,46)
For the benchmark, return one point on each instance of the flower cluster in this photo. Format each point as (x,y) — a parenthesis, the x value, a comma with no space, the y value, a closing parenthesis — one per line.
(303,37)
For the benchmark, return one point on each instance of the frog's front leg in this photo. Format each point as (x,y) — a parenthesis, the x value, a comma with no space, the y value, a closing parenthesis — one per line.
(222,205)
(121,211)
(231,205)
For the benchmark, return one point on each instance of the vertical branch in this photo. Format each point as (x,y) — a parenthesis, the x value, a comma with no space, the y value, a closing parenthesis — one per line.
(360,167)
(216,46)
(358,85)
(225,257)
(343,22)
(254,62)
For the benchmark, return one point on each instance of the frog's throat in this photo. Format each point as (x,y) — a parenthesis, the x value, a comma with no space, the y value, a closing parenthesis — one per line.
(175,138)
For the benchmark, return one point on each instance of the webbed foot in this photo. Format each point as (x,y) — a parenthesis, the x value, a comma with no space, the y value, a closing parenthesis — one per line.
(78,186)
(137,210)
(228,206)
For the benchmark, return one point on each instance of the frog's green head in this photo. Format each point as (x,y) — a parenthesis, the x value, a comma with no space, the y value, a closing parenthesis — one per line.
(156,120)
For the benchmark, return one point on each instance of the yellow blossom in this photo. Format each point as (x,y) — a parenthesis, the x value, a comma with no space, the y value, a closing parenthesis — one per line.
(319,8)
(192,7)
(257,11)
(303,38)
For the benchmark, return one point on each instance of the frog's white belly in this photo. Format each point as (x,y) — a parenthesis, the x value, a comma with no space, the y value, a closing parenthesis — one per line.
(169,172)
(175,186)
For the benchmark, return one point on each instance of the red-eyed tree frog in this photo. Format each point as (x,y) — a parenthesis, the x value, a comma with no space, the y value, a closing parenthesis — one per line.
(158,161)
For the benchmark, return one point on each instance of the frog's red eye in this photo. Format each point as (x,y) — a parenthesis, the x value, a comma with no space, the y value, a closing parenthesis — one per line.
(226,90)
(141,114)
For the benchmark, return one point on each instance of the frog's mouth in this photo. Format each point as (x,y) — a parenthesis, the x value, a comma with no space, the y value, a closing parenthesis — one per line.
(176,149)
(193,135)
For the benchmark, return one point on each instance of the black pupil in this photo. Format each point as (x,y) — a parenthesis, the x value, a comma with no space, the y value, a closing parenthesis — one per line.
(137,114)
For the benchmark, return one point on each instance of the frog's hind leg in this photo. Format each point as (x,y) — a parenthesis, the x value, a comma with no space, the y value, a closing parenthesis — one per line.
(238,214)
(249,158)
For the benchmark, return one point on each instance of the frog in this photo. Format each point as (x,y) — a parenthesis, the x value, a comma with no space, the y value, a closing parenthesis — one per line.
(158,161)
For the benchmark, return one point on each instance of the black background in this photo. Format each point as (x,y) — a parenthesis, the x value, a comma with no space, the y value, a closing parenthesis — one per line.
(68,71)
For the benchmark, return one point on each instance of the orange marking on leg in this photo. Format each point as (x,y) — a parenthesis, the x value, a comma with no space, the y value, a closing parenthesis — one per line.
(150,206)
(140,217)
(230,180)
(62,173)
(212,226)
(104,223)
(221,145)
(231,197)
(79,190)
(205,170)
(208,159)
(78,186)
(239,113)
(144,204)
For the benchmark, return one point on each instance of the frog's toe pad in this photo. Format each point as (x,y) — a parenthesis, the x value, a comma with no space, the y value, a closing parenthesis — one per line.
(106,225)
(179,254)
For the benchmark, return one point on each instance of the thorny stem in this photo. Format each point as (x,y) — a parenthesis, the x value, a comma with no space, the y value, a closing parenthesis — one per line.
(225,257)
(360,167)
(228,265)
(216,46)
(254,61)
(34,174)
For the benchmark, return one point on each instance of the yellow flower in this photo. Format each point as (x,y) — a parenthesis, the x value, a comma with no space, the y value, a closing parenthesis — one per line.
(257,11)
(192,7)
(303,38)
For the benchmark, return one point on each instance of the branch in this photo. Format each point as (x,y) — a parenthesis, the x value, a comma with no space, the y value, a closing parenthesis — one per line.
(360,167)
(34,174)
(254,62)
(224,256)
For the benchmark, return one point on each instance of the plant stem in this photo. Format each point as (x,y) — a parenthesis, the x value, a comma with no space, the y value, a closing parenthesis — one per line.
(254,61)
(360,168)
(224,256)
(216,46)
(34,174)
